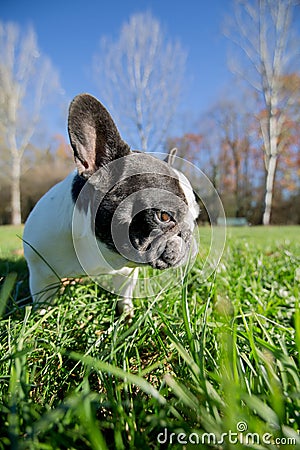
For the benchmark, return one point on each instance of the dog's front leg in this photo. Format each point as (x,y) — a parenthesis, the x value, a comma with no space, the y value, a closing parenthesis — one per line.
(124,284)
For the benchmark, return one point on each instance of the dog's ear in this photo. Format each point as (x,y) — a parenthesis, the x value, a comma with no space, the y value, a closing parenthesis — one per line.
(93,135)
(170,159)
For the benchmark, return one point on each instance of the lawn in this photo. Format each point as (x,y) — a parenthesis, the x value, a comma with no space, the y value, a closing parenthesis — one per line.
(208,364)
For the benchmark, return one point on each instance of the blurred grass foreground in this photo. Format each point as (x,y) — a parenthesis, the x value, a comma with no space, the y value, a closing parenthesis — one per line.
(204,365)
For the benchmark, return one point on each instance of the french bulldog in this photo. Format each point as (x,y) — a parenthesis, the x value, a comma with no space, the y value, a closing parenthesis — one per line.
(119,210)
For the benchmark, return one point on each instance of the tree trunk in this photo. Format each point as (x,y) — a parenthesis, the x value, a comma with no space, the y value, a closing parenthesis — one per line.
(271,161)
(269,189)
(16,192)
(237,187)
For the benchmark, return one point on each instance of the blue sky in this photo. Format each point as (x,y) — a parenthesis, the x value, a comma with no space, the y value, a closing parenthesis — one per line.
(69,33)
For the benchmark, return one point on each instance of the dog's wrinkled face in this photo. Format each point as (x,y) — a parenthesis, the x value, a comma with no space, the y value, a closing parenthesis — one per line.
(148,218)
(146,210)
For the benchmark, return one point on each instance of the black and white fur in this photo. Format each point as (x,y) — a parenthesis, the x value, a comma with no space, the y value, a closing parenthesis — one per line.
(146,197)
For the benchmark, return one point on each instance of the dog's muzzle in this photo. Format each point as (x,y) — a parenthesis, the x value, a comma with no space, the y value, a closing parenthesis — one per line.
(171,249)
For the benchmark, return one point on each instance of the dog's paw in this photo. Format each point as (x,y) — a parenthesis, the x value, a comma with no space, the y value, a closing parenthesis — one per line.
(126,309)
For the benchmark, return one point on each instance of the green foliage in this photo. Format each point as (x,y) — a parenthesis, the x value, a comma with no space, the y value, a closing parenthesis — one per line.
(197,363)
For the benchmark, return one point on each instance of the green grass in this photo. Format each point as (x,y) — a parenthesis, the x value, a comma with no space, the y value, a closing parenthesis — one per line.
(12,262)
(10,240)
(201,361)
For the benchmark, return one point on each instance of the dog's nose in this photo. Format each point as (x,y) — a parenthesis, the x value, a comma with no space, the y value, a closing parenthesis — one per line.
(174,251)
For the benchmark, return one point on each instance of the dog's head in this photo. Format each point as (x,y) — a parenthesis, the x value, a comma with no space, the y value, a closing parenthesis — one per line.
(143,209)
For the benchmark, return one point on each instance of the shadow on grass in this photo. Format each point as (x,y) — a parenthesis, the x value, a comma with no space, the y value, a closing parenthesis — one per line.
(20,294)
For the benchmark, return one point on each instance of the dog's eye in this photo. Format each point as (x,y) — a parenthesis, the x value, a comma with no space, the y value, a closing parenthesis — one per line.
(164,216)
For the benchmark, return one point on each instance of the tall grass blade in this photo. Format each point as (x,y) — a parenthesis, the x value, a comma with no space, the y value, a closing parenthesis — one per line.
(6,290)
(119,373)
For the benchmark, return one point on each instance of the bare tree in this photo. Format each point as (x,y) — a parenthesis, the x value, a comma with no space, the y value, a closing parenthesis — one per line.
(140,77)
(262,31)
(234,128)
(26,80)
